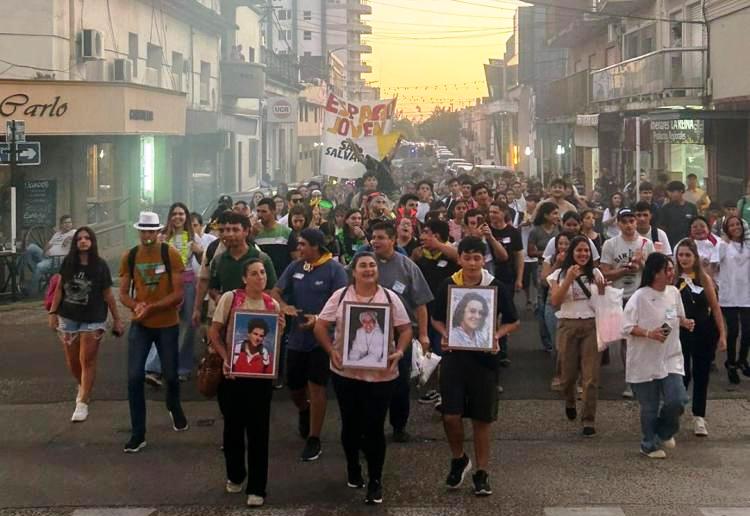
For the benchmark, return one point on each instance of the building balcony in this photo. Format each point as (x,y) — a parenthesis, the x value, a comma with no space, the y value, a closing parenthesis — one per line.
(359,68)
(282,68)
(359,6)
(666,73)
(566,97)
(360,48)
(359,28)
(242,80)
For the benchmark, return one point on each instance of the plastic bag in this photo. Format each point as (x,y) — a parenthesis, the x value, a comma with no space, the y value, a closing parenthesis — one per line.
(422,365)
(610,317)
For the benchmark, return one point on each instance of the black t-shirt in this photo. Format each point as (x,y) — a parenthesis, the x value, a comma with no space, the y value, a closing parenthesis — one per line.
(83,293)
(510,238)
(675,220)
(505,309)
(435,272)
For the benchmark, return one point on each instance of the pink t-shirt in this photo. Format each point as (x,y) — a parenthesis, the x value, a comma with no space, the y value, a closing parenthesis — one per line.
(333,312)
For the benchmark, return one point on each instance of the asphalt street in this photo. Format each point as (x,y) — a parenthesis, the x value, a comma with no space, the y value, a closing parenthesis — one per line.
(541,465)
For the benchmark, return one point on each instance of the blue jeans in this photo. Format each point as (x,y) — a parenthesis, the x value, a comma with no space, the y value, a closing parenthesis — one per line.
(659,424)
(548,343)
(550,323)
(34,258)
(140,339)
(186,338)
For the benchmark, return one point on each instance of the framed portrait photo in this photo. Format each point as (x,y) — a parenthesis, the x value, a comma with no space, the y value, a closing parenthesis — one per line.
(255,344)
(368,330)
(472,318)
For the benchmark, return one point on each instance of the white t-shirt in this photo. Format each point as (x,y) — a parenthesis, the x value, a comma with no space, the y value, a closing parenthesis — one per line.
(650,359)
(423,208)
(613,230)
(575,304)
(663,243)
(59,244)
(618,252)
(734,274)
(707,250)
(205,240)
(549,250)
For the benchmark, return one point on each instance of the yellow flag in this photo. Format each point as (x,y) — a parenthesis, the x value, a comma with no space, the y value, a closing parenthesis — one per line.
(386,143)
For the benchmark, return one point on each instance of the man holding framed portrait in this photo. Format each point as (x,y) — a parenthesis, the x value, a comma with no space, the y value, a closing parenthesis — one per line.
(473,311)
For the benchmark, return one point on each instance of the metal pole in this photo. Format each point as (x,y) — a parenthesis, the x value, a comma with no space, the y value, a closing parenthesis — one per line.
(637,156)
(15,178)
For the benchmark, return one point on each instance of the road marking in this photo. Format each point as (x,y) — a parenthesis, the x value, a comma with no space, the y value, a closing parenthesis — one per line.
(114,511)
(426,511)
(270,512)
(727,511)
(583,511)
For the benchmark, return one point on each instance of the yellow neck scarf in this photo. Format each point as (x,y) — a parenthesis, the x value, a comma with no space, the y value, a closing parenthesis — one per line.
(317,263)
(430,255)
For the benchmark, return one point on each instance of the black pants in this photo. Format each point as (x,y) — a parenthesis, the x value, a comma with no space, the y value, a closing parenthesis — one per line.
(246,406)
(400,402)
(698,350)
(736,317)
(363,406)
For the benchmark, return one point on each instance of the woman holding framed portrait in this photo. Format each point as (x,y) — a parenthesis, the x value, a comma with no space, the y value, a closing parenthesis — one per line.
(364,390)
(245,331)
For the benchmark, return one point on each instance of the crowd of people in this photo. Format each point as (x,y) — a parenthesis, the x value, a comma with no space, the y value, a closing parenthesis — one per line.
(448,258)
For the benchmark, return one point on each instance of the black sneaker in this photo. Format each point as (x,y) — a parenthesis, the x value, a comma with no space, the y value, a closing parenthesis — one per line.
(734,378)
(589,431)
(311,450)
(179,421)
(303,423)
(135,444)
(401,436)
(459,468)
(354,479)
(481,483)
(374,494)
(745,368)
(571,413)
(429,397)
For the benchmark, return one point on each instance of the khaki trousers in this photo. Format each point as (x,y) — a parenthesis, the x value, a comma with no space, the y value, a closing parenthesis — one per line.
(576,339)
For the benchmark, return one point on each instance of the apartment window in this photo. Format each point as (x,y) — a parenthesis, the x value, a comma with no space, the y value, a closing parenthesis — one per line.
(282,35)
(306,113)
(592,62)
(307,15)
(178,66)
(133,51)
(307,35)
(315,114)
(104,182)
(205,81)
(301,112)
(282,14)
(154,57)
(307,54)
(250,55)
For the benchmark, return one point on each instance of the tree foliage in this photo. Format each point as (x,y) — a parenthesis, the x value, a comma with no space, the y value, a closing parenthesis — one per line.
(406,128)
(443,125)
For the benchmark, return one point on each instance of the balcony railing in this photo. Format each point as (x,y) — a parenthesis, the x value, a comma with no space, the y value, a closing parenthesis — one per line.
(281,67)
(675,72)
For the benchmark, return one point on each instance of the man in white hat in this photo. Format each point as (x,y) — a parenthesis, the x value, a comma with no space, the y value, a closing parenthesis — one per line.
(151,286)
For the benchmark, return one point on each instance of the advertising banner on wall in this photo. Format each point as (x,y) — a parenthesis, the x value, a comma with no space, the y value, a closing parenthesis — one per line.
(281,110)
(365,123)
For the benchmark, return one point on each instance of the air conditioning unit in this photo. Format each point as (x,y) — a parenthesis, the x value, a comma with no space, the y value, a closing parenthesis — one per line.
(96,70)
(614,31)
(153,77)
(91,44)
(122,70)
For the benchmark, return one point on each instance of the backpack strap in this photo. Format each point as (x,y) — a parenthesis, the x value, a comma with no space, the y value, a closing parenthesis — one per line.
(268,301)
(211,250)
(654,233)
(165,259)
(131,268)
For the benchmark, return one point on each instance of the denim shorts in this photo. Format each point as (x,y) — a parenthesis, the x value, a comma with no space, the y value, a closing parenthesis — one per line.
(71,326)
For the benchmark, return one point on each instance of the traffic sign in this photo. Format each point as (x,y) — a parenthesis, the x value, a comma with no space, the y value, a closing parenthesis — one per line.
(27,153)
(19,130)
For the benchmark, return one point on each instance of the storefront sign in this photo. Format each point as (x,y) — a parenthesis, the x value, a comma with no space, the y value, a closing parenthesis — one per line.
(39,203)
(367,124)
(282,110)
(677,131)
(84,108)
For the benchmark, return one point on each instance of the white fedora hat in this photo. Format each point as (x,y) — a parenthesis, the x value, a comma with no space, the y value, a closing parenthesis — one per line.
(148,221)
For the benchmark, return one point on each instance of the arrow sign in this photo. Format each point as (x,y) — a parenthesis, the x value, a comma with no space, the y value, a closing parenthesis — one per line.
(27,153)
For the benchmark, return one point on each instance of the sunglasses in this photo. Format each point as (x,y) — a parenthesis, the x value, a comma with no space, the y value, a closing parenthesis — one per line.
(296,200)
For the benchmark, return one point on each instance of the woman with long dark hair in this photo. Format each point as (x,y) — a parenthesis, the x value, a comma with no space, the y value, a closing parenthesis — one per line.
(179,234)
(571,289)
(609,218)
(351,237)
(698,346)
(734,294)
(655,365)
(364,395)
(79,313)
(546,227)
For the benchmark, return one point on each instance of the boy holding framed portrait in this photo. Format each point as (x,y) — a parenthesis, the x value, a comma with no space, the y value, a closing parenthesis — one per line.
(473,311)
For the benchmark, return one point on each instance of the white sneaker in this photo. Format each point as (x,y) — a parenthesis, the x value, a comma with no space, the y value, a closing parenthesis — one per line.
(669,443)
(656,454)
(699,427)
(627,393)
(254,501)
(233,488)
(81,412)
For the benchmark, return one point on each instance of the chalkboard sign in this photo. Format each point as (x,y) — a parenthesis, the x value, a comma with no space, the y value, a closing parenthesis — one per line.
(39,203)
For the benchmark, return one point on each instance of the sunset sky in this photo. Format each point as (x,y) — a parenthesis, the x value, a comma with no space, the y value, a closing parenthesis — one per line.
(438,46)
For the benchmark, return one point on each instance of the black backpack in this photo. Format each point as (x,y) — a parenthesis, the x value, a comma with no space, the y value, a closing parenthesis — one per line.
(164,258)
